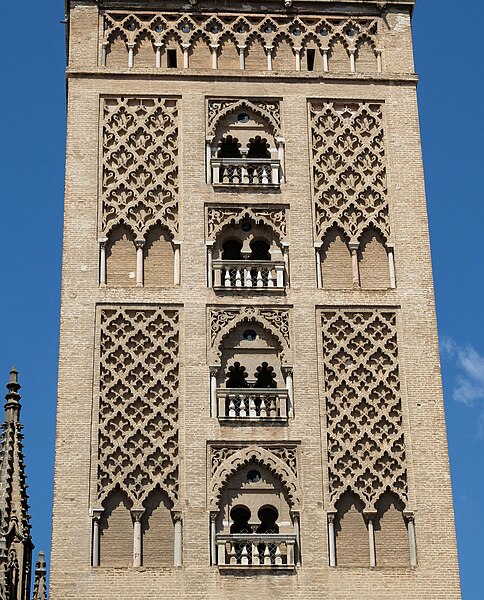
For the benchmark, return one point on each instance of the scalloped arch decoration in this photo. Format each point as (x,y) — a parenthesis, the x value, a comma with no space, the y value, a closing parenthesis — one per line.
(263,457)
(219,218)
(267,110)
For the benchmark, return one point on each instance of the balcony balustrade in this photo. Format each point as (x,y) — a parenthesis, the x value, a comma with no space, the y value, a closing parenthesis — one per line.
(252,403)
(256,550)
(259,172)
(257,274)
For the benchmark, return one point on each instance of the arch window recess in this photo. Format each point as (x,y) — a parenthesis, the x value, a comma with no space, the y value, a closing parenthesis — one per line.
(247,256)
(367,264)
(255,526)
(251,383)
(244,149)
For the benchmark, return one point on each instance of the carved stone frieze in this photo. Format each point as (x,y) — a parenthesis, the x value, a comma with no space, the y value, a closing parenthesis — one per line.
(138,407)
(366,449)
(139,164)
(220,217)
(349,168)
(268,110)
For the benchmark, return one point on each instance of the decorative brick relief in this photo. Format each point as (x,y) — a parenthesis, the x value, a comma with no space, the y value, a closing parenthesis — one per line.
(281,460)
(366,450)
(140,164)
(138,409)
(349,168)
(224,320)
(220,217)
(268,110)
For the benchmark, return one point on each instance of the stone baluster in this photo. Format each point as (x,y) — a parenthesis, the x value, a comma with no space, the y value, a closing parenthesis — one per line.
(247,277)
(260,280)
(319,275)
(263,406)
(96,517)
(102,261)
(139,262)
(391,266)
(278,555)
(325,52)
(331,540)
(352,52)
(214,48)
(267,554)
(137,513)
(242,48)
(227,282)
(242,409)
(270,278)
(244,177)
(255,554)
(130,46)
(232,554)
(252,408)
(238,277)
(298,58)
(232,412)
(158,46)
(177,551)
(186,56)
(245,556)
(264,179)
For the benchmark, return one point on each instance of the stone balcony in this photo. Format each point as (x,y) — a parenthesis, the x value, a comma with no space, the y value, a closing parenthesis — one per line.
(256,550)
(244,274)
(247,172)
(248,404)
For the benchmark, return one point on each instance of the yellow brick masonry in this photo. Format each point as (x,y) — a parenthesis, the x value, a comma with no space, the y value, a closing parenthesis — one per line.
(72,578)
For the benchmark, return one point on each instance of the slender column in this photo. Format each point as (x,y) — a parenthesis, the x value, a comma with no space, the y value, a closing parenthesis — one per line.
(210,263)
(137,513)
(290,390)
(371,539)
(102,261)
(297,532)
(285,256)
(130,54)
(214,48)
(213,543)
(139,262)
(331,540)
(298,58)
(355,266)
(352,60)
(391,266)
(269,50)
(213,391)
(96,516)
(208,151)
(242,48)
(281,156)
(186,58)
(412,541)
(319,277)
(104,54)
(158,47)
(379,64)
(177,553)
(176,263)
(325,60)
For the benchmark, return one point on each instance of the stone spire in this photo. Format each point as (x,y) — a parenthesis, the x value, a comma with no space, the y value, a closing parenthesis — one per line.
(40,585)
(15,539)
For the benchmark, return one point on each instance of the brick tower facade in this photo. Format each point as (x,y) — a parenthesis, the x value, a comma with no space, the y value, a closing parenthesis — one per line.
(249,387)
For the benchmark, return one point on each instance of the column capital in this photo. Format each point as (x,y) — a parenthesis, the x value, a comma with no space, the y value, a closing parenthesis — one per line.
(137,513)
(139,243)
(95,513)
(214,369)
(353,246)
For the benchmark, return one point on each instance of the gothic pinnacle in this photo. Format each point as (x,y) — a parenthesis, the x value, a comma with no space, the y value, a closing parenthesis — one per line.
(12,406)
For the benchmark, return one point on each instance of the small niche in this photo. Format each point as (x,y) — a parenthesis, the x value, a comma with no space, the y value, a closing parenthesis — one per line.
(311,56)
(171,58)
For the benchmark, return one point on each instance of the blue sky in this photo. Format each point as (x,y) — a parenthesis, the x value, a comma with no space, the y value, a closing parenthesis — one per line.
(449,58)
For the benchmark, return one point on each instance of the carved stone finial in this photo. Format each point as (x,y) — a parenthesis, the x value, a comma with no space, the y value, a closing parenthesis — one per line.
(12,406)
(40,584)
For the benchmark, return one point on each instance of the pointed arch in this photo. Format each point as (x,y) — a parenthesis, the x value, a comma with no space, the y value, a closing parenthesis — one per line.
(373,260)
(391,534)
(352,546)
(339,59)
(366,61)
(159,257)
(144,50)
(283,54)
(336,266)
(200,53)
(256,57)
(263,457)
(117,51)
(229,57)
(121,257)
(116,531)
(158,530)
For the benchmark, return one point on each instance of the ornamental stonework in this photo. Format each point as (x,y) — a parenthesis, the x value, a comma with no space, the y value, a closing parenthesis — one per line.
(139,164)
(348,168)
(366,448)
(223,216)
(138,406)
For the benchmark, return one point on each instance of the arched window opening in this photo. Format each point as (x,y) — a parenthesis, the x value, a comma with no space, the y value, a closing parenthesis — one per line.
(352,546)
(236,376)
(265,377)
(260,250)
(158,531)
(231,250)
(121,258)
(254,525)
(336,265)
(373,261)
(116,531)
(258,148)
(229,148)
(158,259)
(391,535)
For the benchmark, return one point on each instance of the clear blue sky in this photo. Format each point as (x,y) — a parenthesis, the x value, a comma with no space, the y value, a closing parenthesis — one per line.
(450,61)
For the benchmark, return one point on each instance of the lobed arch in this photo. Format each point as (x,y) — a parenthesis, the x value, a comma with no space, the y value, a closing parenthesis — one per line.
(117,33)
(255,455)
(228,35)
(279,37)
(372,227)
(200,35)
(257,109)
(143,34)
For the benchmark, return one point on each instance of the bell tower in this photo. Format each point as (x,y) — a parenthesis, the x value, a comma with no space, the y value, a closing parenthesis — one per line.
(249,387)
